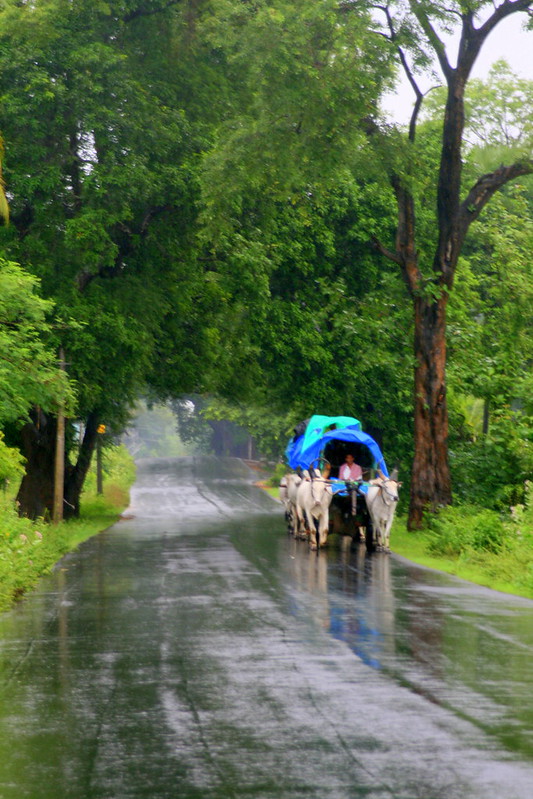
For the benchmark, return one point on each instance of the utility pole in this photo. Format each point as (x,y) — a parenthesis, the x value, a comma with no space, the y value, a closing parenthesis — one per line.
(59,466)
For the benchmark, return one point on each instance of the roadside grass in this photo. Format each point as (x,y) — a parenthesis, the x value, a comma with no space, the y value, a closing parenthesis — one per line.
(482,546)
(29,549)
(274,492)
(509,570)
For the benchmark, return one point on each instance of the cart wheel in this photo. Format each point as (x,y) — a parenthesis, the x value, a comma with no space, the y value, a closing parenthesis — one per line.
(369,538)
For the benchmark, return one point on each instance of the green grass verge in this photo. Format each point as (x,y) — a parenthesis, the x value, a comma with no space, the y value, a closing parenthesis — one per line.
(274,492)
(30,549)
(510,570)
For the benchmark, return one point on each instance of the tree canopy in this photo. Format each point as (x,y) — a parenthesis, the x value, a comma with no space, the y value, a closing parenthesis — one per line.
(209,200)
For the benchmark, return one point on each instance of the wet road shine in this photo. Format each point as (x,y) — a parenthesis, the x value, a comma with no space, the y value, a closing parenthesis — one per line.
(194,651)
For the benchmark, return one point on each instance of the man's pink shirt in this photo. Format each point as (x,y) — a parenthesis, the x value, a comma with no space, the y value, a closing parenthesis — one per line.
(353,472)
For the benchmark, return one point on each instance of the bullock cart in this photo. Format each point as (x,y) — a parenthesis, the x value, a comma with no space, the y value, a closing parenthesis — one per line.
(322,443)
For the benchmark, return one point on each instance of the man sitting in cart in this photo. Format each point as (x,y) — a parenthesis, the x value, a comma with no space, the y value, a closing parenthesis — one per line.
(350,470)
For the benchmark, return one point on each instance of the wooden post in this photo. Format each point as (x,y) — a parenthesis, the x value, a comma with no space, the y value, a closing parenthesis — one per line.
(59,466)
(99,471)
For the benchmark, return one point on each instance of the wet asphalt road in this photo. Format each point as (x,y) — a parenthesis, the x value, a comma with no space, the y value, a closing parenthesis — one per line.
(194,651)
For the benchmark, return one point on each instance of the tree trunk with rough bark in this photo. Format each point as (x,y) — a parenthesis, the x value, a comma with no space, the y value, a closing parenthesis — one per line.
(35,497)
(75,475)
(430,484)
(36,493)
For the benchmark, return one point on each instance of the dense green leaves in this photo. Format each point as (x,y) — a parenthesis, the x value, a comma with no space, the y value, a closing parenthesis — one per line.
(29,370)
(102,198)
(308,79)
(203,190)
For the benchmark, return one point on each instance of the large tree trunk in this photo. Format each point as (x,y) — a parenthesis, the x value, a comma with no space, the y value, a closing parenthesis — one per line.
(36,493)
(430,484)
(75,475)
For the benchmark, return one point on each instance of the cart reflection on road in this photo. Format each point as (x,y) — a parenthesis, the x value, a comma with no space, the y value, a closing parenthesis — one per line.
(348,593)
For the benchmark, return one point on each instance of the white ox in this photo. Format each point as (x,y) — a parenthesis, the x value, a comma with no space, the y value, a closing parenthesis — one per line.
(288,488)
(284,494)
(313,499)
(381,501)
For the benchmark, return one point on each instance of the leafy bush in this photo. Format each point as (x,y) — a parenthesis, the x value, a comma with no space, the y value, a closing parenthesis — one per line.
(279,470)
(522,514)
(458,529)
(492,470)
(29,549)
(11,464)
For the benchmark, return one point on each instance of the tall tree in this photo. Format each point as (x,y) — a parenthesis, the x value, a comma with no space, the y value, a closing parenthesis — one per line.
(435,208)
(100,160)
(429,280)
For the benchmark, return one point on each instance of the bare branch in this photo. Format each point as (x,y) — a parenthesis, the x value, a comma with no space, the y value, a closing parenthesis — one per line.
(501,12)
(473,38)
(403,59)
(414,116)
(433,38)
(390,254)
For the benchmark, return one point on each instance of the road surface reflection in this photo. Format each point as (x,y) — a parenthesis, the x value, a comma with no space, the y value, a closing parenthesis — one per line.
(195,650)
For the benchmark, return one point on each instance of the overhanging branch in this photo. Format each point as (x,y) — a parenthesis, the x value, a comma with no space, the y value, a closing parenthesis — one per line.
(486,187)
(390,254)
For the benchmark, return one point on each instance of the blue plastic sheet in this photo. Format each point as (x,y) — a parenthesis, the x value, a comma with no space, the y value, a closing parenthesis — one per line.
(304,449)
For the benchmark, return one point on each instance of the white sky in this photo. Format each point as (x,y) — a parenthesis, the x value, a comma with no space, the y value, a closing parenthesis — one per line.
(507,40)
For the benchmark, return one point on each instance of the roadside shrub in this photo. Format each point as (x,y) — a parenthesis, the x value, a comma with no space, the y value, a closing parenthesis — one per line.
(458,529)
(29,549)
(522,514)
(492,470)
(11,464)
(279,470)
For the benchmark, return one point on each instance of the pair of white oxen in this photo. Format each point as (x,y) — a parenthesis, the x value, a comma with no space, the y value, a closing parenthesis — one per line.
(307,499)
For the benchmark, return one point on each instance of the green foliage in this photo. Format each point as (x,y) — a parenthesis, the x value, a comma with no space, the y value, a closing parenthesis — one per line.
(458,529)
(193,428)
(491,346)
(270,430)
(4,207)
(491,470)
(522,513)
(100,164)
(117,467)
(509,569)
(301,113)
(280,470)
(195,190)
(499,113)
(321,328)
(11,464)
(29,372)
(490,351)
(29,549)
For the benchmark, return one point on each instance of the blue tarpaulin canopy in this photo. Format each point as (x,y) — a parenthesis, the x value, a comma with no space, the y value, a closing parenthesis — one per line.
(310,445)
